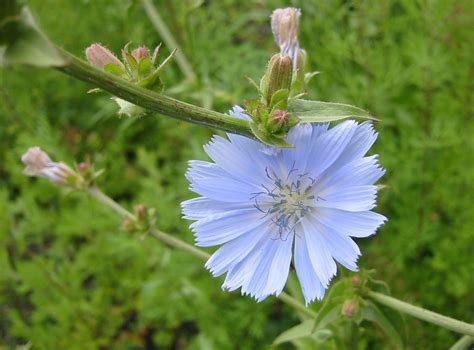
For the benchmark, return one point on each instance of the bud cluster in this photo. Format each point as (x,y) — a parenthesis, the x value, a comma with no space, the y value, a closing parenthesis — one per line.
(143,220)
(39,164)
(138,67)
(271,121)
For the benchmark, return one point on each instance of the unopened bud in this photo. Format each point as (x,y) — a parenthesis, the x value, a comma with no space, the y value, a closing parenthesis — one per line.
(278,76)
(350,308)
(285,24)
(140,53)
(356,280)
(99,56)
(128,225)
(141,212)
(84,166)
(38,163)
(279,117)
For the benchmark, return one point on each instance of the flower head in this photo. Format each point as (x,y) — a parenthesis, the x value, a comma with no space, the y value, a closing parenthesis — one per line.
(38,163)
(267,206)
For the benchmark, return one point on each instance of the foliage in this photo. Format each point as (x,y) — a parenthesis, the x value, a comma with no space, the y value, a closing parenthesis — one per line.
(72,279)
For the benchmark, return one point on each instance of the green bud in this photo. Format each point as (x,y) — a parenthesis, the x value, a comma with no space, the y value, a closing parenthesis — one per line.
(277,77)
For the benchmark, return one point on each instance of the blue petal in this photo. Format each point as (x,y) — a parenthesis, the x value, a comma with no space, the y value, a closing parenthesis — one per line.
(234,251)
(264,271)
(361,171)
(222,228)
(235,161)
(202,207)
(239,112)
(310,283)
(357,198)
(354,224)
(328,146)
(321,259)
(341,246)
(363,138)
(209,180)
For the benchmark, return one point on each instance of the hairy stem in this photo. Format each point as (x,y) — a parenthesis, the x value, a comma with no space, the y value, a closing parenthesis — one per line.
(423,314)
(168,38)
(152,100)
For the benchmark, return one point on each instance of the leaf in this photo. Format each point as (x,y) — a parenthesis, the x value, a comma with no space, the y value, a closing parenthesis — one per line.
(113,69)
(372,313)
(267,138)
(24,43)
(303,330)
(322,112)
(279,99)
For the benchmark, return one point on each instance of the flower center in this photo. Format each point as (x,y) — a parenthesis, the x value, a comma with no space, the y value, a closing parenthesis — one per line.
(287,201)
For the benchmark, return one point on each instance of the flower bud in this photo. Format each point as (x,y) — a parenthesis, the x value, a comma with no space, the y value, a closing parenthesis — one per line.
(140,53)
(99,56)
(38,163)
(285,23)
(350,308)
(355,280)
(279,117)
(277,77)
(141,212)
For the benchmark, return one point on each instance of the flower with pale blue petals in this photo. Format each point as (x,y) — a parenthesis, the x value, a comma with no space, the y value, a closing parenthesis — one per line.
(267,207)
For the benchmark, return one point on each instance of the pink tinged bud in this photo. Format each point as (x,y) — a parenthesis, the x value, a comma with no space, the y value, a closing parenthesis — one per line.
(350,308)
(285,24)
(38,163)
(140,53)
(99,56)
(279,117)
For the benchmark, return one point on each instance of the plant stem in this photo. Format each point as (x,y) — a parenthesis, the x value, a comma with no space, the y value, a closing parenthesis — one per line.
(423,314)
(296,305)
(152,100)
(463,343)
(168,38)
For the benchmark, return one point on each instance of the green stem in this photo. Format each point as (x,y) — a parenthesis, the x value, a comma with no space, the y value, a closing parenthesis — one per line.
(423,314)
(288,299)
(168,38)
(152,100)
(463,343)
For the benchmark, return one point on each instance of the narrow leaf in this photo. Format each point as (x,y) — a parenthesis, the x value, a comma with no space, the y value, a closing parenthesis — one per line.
(322,112)
(268,138)
(372,313)
(22,42)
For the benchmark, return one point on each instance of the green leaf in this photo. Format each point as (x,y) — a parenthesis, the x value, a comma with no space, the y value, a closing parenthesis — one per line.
(113,69)
(322,112)
(303,330)
(267,138)
(372,313)
(22,41)
(279,99)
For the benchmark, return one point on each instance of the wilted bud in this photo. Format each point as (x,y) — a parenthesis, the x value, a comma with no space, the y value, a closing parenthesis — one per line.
(285,23)
(279,117)
(38,163)
(99,56)
(277,77)
(128,225)
(350,308)
(140,53)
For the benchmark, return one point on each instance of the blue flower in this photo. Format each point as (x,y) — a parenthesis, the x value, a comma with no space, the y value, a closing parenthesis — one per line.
(265,205)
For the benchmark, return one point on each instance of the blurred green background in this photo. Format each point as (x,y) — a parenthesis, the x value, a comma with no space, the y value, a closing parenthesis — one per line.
(70,278)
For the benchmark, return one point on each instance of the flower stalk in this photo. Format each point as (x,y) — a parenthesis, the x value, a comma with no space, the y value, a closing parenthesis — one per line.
(152,100)
(423,314)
